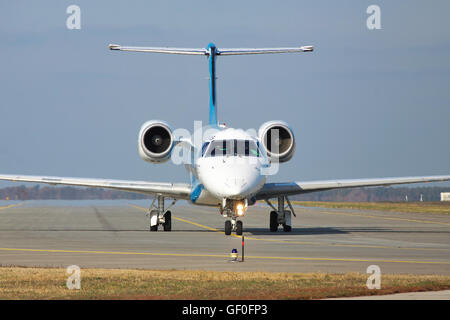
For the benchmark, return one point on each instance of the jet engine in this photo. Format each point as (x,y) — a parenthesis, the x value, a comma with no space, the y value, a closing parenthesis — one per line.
(278,140)
(155,141)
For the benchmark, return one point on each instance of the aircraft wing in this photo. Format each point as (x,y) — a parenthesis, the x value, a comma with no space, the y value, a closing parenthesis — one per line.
(271,190)
(172,190)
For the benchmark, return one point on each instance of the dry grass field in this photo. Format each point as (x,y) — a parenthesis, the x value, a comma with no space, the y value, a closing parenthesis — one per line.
(50,283)
(418,207)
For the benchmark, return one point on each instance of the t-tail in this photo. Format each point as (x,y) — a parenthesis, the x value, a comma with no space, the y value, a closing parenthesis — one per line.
(212,52)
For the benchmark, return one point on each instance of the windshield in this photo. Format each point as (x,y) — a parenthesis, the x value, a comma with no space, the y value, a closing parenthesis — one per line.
(247,148)
(205,145)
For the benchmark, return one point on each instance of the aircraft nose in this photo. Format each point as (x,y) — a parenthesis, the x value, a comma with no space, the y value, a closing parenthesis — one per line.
(235,186)
(235,182)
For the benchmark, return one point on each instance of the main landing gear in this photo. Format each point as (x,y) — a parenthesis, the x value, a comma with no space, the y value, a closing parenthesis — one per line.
(159,215)
(281,216)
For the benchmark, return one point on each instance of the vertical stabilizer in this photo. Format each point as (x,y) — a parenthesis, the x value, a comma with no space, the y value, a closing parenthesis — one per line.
(212,85)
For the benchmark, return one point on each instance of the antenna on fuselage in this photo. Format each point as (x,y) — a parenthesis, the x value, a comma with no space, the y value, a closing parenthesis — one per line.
(212,52)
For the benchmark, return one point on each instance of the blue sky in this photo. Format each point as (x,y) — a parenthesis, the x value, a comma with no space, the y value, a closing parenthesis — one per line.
(366,103)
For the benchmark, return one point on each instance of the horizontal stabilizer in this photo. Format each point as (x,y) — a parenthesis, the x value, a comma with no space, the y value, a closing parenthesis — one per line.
(234,51)
(201,51)
(206,52)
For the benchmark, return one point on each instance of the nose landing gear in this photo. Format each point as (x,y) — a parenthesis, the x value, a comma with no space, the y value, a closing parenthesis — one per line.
(239,227)
(228,211)
(234,225)
(228,227)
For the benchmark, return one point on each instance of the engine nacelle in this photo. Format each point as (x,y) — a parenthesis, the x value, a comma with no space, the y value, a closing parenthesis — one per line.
(155,142)
(282,148)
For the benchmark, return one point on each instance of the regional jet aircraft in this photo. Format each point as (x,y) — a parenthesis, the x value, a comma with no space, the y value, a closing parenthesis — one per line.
(228,169)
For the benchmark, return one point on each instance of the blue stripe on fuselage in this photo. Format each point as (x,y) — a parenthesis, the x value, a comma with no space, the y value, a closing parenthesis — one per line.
(195,194)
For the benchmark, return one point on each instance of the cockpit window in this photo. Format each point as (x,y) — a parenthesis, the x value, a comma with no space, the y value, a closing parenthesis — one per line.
(205,145)
(247,148)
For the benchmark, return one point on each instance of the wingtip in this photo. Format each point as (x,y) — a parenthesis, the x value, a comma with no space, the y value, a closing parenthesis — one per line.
(114,47)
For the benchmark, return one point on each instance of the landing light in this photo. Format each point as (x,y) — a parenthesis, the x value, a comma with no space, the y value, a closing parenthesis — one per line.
(240,209)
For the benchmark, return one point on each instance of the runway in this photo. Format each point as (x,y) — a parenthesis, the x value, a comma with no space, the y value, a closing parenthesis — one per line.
(114,234)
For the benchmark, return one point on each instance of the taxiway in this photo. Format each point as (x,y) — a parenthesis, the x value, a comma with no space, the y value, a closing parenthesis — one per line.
(115,234)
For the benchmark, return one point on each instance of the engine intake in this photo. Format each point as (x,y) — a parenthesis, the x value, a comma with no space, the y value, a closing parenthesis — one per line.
(155,141)
(278,140)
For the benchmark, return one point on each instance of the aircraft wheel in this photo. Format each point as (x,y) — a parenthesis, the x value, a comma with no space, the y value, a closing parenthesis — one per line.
(168,221)
(227,227)
(153,213)
(287,228)
(273,221)
(239,227)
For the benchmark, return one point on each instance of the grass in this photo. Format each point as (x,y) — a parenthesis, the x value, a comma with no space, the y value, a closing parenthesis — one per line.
(50,283)
(414,207)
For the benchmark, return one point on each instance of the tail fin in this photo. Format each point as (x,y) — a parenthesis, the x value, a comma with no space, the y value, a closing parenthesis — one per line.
(211,51)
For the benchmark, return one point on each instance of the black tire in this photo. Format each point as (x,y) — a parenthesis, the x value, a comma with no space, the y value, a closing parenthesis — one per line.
(227,227)
(154,228)
(239,228)
(287,228)
(168,221)
(273,221)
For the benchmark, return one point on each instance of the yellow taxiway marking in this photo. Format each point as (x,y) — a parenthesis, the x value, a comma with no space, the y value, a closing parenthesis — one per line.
(221,256)
(11,206)
(300,242)
(198,225)
(383,218)
(183,220)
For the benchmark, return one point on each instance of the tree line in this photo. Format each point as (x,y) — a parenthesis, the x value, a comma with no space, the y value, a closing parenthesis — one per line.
(372,194)
(64,193)
(376,194)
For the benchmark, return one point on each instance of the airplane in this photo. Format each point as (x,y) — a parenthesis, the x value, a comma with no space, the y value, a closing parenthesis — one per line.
(229,168)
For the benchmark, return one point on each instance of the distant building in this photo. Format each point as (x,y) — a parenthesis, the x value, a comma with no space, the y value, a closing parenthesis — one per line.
(445,196)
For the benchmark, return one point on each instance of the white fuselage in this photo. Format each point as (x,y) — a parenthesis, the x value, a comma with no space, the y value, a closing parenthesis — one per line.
(230,175)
